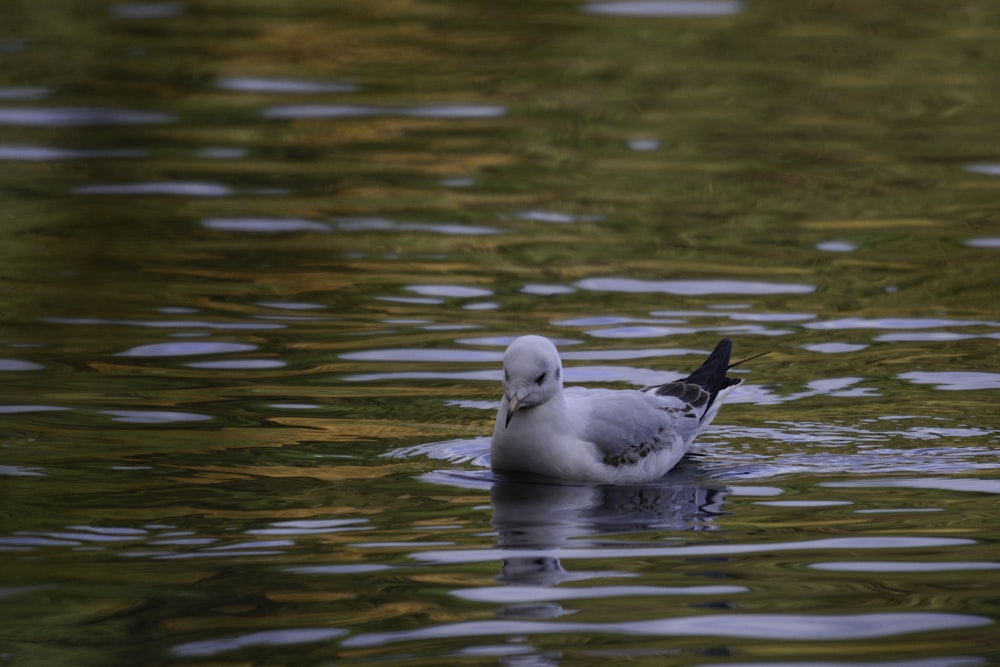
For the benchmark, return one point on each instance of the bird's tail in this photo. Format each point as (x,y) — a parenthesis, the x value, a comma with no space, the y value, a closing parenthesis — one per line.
(711,376)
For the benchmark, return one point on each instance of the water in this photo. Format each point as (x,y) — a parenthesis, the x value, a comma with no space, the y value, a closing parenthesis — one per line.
(260,264)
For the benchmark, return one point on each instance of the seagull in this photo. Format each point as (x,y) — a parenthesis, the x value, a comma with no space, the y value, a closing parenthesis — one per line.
(606,436)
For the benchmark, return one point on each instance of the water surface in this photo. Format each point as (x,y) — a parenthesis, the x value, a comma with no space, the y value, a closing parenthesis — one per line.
(260,266)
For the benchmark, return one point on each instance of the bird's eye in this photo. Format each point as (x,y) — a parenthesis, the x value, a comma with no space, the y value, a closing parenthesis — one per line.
(540,379)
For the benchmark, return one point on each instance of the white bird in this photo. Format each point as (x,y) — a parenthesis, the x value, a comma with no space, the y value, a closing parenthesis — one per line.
(599,435)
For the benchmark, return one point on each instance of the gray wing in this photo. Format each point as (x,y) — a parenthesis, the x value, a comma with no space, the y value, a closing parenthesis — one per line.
(627,426)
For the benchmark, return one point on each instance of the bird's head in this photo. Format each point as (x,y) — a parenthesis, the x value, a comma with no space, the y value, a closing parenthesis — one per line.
(532,373)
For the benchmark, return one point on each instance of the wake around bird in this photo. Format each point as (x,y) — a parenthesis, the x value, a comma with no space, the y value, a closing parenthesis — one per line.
(600,435)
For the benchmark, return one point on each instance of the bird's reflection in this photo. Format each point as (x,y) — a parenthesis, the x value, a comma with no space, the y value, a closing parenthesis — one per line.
(541,515)
(536,518)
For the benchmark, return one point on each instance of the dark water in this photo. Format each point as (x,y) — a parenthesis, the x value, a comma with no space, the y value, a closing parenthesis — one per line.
(260,262)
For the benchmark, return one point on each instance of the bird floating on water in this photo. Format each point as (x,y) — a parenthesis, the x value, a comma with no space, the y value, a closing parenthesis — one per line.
(600,435)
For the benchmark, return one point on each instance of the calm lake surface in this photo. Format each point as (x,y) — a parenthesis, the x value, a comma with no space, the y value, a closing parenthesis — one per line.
(260,261)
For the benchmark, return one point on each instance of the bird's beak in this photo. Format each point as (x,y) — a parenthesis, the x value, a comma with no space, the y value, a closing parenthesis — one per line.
(513,403)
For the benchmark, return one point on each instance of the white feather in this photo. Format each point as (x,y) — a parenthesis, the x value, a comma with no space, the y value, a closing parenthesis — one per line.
(595,435)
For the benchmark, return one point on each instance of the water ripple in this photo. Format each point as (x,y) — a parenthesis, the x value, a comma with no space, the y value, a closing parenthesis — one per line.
(22,92)
(836,246)
(45,153)
(791,627)
(239,364)
(954,380)
(556,217)
(526,594)
(21,409)
(173,188)
(20,471)
(930,337)
(665,8)
(154,416)
(692,287)
(945,661)
(446,111)
(643,144)
(80,116)
(164,324)
(312,527)
(989,169)
(383,225)
(546,290)
(450,291)
(185,349)
(467,556)
(415,354)
(19,365)
(265,225)
(354,568)
(250,84)
(964,484)
(892,323)
(990,242)
(904,566)
(285,637)
(834,348)
(147,10)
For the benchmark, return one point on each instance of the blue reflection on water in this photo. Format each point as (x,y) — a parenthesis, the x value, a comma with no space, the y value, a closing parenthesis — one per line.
(20,409)
(264,225)
(165,324)
(989,242)
(173,188)
(547,290)
(239,364)
(383,225)
(834,347)
(964,484)
(22,93)
(556,217)
(222,153)
(154,416)
(185,349)
(449,291)
(665,8)
(987,169)
(904,566)
(311,527)
(416,354)
(447,111)
(522,594)
(893,323)
(836,246)
(713,549)
(19,365)
(250,84)
(692,287)
(147,10)
(20,471)
(644,144)
(793,627)
(76,116)
(954,380)
(210,647)
(45,153)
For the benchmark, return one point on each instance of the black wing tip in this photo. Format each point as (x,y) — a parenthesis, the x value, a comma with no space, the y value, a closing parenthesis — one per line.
(711,375)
